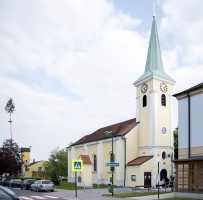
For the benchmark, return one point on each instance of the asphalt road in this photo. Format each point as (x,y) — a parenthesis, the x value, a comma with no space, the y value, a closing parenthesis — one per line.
(62,194)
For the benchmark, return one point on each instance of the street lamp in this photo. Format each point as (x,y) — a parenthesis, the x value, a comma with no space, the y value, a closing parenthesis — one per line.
(112,157)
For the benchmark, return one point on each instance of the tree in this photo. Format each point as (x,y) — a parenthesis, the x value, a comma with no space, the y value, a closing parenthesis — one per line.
(175,135)
(56,165)
(10,108)
(10,158)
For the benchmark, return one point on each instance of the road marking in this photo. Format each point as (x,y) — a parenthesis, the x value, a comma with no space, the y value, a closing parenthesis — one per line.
(41,197)
(25,198)
(51,197)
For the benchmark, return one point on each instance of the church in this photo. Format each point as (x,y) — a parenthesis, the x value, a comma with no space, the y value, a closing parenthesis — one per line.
(137,151)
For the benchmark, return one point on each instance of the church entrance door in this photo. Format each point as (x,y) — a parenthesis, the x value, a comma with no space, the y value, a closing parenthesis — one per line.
(147,179)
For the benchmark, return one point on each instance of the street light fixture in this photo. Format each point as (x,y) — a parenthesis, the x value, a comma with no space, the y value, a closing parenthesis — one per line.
(112,157)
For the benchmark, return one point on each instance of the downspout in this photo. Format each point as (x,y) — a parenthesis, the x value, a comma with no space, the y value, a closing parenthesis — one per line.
(189,133)
(124,159)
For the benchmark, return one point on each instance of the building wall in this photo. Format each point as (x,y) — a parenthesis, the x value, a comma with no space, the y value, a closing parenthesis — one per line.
(35,168)
(154,116)
(26,157)
(196,118)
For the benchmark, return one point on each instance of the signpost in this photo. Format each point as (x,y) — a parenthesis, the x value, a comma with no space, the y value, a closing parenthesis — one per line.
(77,166)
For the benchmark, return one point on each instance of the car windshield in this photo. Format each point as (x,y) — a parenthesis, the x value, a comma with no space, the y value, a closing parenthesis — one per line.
(31,181)
(17,180)
(47,182)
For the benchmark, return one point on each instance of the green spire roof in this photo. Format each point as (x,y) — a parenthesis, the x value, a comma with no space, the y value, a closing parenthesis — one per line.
(154,64)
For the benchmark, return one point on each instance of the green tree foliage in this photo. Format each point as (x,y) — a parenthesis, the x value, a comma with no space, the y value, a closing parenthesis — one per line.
(175,135)
(10,107)
(57,164)
(10,158)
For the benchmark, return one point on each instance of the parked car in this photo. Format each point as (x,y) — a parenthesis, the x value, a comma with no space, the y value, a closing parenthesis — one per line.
(6,194)
(6,181)
(27,183)
(15,183)
(42,185)
(1,181)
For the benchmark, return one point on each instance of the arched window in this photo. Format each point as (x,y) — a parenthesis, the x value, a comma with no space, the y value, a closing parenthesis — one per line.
(163,155)
(144,101)
(95,163)
(163,100)
(112,159)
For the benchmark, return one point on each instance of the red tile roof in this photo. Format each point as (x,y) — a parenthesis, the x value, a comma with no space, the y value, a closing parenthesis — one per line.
(139,160)
(119,129)
(86,159)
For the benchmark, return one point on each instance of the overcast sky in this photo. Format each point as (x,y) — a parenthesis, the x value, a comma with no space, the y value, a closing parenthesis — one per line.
(70,65)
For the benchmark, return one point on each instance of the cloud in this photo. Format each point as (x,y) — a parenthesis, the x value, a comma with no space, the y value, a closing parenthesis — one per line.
(66,65)
(69,65)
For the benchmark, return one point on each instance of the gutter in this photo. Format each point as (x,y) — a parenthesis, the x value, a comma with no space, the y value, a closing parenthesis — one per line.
(189,125)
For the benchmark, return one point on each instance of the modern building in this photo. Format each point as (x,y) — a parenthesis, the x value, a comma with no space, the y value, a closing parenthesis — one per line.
(128,153)
(189,166)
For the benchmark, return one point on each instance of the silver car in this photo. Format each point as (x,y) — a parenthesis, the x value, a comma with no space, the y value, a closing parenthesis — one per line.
(42,185)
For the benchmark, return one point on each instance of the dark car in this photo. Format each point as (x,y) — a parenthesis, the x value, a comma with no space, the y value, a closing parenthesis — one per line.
(6,194)
(6,181)
(15,183)
(27,183)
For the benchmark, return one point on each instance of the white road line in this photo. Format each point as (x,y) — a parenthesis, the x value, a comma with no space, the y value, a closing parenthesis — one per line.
(25,198)
(51,197)
(37,197)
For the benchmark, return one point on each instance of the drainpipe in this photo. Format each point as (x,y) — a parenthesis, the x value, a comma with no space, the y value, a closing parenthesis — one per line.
(189,133)
(124,159)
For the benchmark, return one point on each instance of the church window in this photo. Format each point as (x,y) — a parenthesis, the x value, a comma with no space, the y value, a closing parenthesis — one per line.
(163,100)
(144,101)
(95,163)
(163,155)
(112,159)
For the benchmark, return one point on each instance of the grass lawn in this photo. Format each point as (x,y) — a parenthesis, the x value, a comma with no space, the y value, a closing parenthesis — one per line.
(71,186)
(138,194)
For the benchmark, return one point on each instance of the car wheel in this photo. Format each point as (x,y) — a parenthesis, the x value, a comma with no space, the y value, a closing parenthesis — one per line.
(52,190)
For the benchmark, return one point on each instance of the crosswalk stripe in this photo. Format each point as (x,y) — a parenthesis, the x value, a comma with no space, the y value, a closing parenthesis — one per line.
(51,197)
(37,197)
(25,198)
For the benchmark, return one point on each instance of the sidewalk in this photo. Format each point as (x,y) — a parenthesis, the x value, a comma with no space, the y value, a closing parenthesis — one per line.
(90,194)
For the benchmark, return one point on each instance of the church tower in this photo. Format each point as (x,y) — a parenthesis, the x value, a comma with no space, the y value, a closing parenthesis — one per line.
(154,109)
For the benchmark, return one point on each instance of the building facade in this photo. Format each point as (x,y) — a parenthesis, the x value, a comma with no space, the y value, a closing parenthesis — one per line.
(189,166)
(30,169)
(139,144)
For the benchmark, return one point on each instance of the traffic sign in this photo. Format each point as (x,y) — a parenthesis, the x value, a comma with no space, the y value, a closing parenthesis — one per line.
(112,164)
(77,165)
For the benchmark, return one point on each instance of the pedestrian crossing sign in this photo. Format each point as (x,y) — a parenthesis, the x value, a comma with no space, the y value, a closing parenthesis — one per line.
(77,165)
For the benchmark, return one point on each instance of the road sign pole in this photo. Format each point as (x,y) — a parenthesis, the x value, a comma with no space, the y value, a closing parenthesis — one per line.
(75,183)
(112,167)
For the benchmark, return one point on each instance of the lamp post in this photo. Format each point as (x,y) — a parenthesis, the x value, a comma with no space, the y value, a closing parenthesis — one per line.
(112,157)
(158,159)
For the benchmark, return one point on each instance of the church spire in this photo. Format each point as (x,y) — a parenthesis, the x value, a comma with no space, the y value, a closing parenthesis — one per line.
(154,64)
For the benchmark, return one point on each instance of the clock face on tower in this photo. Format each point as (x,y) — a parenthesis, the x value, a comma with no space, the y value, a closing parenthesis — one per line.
(163,87)
(144,88)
